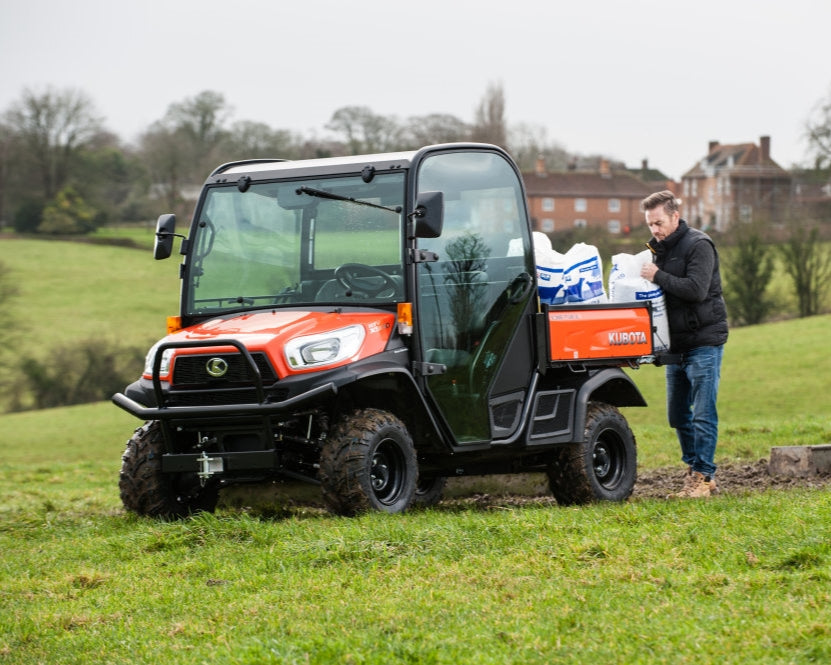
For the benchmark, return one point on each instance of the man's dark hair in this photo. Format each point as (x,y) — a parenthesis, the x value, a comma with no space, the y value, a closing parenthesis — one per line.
(665,198)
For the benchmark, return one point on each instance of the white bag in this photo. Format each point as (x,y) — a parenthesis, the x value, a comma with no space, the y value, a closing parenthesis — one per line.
(583,275)
(627,285)
(550,264)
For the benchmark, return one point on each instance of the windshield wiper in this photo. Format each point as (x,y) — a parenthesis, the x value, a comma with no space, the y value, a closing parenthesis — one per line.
(323,194)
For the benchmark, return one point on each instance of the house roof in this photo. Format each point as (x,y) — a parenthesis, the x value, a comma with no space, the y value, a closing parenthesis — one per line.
(588,184)
(737,160)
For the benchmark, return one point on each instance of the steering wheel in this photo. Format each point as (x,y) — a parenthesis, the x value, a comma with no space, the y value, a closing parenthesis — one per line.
(357,277)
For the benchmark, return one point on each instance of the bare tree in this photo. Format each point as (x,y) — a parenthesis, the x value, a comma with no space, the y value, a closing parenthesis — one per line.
(53,127)
(200,120)
(247,139)
(201,117)
(528,144)
(818,132)
(6,142)
(435,128)
(165,155)
(490,125)
(182,147)
(365,131)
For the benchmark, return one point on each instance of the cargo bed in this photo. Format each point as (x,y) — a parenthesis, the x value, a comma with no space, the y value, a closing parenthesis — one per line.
(609,334)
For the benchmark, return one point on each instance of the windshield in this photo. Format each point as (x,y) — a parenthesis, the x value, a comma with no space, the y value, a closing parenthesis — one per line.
(318,241)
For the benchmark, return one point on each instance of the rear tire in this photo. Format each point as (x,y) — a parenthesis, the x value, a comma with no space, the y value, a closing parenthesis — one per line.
(368,462)
(145,490)
(601,467)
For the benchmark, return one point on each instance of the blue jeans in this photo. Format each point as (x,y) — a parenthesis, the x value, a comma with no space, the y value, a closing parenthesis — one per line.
(692,389)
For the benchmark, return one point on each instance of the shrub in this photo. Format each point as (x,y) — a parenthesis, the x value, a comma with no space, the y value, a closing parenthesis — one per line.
(808,263)
(28,216)
(68,213)
(748,270)
(89,371)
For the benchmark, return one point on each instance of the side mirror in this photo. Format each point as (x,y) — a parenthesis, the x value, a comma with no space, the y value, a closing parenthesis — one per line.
(165,228)
(429,215)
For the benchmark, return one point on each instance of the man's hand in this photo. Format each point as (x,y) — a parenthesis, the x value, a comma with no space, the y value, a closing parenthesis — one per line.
(648,271)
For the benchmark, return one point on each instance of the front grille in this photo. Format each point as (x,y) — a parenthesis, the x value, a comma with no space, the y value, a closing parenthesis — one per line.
(222,397)
(191,370)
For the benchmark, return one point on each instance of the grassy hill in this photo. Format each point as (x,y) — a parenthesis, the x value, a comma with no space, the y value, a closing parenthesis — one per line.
(69,291)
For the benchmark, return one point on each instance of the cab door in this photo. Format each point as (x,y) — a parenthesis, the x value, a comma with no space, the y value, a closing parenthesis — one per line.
(475,296)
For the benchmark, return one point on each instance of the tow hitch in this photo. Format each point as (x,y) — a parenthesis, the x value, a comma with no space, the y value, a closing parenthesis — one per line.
(208,467)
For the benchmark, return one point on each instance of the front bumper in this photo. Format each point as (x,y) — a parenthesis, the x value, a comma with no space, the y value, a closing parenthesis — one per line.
(220,410)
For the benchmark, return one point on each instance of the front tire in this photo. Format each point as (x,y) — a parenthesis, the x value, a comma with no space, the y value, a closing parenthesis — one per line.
(368,462)
(601,467)
(429,491)
(145,490)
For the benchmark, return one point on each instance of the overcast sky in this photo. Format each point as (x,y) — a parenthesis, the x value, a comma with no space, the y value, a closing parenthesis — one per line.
(630,79)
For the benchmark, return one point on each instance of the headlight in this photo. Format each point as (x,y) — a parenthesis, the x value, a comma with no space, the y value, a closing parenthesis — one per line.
(326,348)
(164,368)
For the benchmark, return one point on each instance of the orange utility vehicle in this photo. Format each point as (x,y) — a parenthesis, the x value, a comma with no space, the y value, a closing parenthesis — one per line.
(371,324)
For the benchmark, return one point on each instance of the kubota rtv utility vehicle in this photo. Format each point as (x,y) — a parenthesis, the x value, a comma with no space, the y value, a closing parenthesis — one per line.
(371,324)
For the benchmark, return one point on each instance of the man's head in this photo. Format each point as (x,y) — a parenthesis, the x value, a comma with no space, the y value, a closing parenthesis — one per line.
(662,213)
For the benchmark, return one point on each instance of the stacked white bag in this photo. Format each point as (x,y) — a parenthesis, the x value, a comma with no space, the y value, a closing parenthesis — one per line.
(550,264)
(627,285)
(575,277)
(583,275)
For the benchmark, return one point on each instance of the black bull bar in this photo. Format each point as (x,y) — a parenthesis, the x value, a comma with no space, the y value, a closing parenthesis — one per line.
(262,407)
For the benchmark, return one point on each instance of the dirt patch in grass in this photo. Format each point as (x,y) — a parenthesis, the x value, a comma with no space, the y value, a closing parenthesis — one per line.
(736,478)
(732,478)
(525,489)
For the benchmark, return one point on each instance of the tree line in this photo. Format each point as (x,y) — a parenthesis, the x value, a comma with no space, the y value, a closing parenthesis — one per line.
(62,171)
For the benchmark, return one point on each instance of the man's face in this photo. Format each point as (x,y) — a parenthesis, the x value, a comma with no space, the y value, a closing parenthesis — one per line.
(661,224)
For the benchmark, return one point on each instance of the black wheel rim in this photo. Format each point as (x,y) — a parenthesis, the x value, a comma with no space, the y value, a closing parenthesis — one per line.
(608,459)
(387,471)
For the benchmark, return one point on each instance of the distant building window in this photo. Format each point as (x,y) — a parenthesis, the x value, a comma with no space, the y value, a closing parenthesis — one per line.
(614,205)
(614,226)
(548,204)
(695,187)
(686,188)
(580,205)
(745,212)
(579,223)
(547,225)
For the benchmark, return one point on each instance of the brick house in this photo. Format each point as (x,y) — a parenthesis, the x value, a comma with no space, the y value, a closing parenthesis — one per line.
(735,182)
(604,198)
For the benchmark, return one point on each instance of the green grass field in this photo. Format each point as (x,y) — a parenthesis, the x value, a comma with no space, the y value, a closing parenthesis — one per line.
(736,579)
(71,291)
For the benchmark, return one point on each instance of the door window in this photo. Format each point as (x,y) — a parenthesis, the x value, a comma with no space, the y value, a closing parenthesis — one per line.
(471,299)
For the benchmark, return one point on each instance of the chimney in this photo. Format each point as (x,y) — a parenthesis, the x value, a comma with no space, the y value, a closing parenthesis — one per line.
(644,165)
(604,168)
(764,145)
(713,145)
(539,169)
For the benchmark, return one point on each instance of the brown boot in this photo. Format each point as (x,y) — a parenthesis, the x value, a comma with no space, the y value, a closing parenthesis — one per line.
(688,482)
(701,486)
(713,487)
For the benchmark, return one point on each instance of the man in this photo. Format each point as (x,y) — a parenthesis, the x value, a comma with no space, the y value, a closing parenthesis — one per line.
(686,268)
